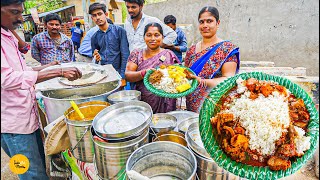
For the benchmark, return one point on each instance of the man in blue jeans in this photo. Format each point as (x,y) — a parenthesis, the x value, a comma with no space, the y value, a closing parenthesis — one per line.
(20,133)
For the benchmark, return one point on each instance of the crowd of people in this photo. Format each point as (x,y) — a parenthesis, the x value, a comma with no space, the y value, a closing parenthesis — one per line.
(144,43)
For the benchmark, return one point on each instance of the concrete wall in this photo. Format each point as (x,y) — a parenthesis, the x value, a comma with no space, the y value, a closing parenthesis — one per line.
(286,31)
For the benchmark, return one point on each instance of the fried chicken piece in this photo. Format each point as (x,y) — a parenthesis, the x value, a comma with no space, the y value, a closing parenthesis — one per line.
(230,130)
(302,125)
(251,84)
(253,96)
(287,150)
(275,163)
(266,89)
(294,116)
(239,130)
(225,117)
(236,153)
(155,77)
(282,139)
(282,90)
(304,116)
(240,141)
(188,74)
(298,105)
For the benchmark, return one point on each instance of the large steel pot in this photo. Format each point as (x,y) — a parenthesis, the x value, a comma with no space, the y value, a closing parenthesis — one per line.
(163,160)
(207,168)
(58,101)
(79,130)
(111,157)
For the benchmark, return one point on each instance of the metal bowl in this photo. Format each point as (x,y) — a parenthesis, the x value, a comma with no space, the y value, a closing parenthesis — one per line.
(163,160)
(162,122)
(56,102)
(182,115)
(194,140)
(171,136)
(124,95)
(184,125)
(122,120)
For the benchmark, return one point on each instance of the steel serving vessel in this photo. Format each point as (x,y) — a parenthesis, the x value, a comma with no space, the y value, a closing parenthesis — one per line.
(123,120)
(207,168)
(162,122)
(163,160)
(111,157)
(78,130)
(57,101)
(184,125)
(124,95)
(171,136)
(182,115)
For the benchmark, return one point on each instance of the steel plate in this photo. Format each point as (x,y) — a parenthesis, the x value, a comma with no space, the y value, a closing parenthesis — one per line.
(122,120)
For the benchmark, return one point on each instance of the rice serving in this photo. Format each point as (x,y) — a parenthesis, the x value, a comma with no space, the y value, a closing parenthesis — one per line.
(172,78)
(265,119)
(261,123)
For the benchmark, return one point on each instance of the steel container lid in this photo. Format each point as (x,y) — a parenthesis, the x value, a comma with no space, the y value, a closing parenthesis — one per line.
(194,141)
(182,115)
(124,95)
(122,120)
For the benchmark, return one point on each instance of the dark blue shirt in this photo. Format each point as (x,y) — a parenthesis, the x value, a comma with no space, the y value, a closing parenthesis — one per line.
(77,34)
(113,47)
(181,41)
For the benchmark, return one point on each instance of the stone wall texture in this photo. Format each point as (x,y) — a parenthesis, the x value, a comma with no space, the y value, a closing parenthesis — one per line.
(285,32)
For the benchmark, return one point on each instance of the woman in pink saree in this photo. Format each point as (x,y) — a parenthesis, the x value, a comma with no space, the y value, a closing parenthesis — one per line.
(141,60)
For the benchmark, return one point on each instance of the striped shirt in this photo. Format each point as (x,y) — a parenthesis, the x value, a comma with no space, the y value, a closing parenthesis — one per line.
(44,50)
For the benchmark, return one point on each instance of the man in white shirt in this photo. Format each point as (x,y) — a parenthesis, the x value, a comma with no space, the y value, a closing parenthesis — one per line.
(135,24)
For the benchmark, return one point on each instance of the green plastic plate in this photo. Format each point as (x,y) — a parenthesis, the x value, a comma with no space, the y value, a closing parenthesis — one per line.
(209,110)
(162,93)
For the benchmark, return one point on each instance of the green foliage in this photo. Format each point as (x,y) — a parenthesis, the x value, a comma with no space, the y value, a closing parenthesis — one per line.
(124,12)
(42,5)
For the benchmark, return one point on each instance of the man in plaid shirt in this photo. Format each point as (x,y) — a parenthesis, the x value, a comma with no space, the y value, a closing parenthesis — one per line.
(52,45)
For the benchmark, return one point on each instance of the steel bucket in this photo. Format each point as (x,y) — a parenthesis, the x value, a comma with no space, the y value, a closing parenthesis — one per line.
(207,168)
(57,101)
(160,160)
(111,157)
(78,131)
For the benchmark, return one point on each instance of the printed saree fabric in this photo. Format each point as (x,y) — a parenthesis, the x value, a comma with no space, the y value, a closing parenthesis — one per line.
(167,57)
(211,67)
